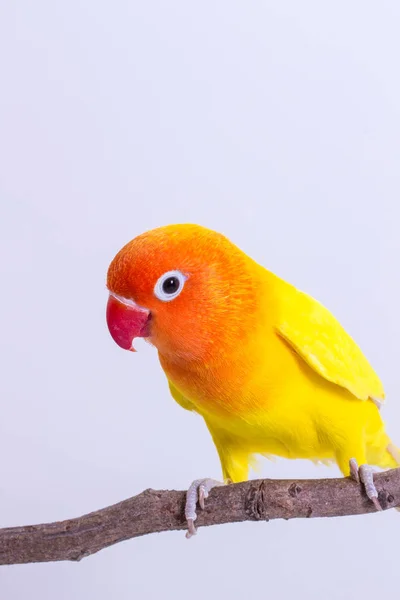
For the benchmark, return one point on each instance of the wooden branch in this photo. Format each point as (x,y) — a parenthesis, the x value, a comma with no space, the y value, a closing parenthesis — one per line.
(154,511)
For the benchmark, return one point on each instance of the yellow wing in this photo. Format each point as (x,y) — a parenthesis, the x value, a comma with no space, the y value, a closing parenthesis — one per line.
(321,341)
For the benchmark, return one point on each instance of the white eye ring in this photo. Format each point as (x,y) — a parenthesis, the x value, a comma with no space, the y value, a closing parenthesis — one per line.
(161,287)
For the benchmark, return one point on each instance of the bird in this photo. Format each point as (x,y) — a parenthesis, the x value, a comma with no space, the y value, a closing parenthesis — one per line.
(269,368)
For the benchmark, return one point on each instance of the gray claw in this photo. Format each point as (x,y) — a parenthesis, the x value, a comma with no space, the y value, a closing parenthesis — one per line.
(365,475)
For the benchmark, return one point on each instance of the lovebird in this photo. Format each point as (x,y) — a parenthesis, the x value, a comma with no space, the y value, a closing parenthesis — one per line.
(269,368)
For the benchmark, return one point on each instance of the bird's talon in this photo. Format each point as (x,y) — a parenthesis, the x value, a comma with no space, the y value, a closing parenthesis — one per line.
(365,475)
(377,504)
(354,470)
(201,498)
(203,494)
(197,492)
(191,529)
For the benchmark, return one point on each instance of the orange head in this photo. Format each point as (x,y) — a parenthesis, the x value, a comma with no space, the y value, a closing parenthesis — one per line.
(184,288)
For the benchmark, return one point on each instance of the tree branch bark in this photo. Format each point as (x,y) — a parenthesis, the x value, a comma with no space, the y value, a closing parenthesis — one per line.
(154,511)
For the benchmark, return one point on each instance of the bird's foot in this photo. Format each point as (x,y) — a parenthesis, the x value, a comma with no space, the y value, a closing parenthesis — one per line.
(365,475)
(198,491)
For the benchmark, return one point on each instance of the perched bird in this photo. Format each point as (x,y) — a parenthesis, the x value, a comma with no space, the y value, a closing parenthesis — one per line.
(269,368)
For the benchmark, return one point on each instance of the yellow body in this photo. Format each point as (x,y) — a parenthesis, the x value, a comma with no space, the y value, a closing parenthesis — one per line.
(297,387)
(267,366)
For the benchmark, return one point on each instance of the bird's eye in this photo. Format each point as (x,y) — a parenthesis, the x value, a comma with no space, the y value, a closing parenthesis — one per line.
(169,285)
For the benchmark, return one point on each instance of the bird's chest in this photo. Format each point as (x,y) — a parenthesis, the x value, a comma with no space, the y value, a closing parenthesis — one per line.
(270,406)
(234,388)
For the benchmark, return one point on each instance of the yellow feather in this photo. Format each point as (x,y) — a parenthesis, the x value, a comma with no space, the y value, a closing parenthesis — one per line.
(323,343)
(305,393)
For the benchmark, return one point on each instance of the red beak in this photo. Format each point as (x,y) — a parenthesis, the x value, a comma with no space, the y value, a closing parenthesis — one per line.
(126,321)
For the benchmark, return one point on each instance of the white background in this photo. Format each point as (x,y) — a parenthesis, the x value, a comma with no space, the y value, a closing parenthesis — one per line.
(277,123)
